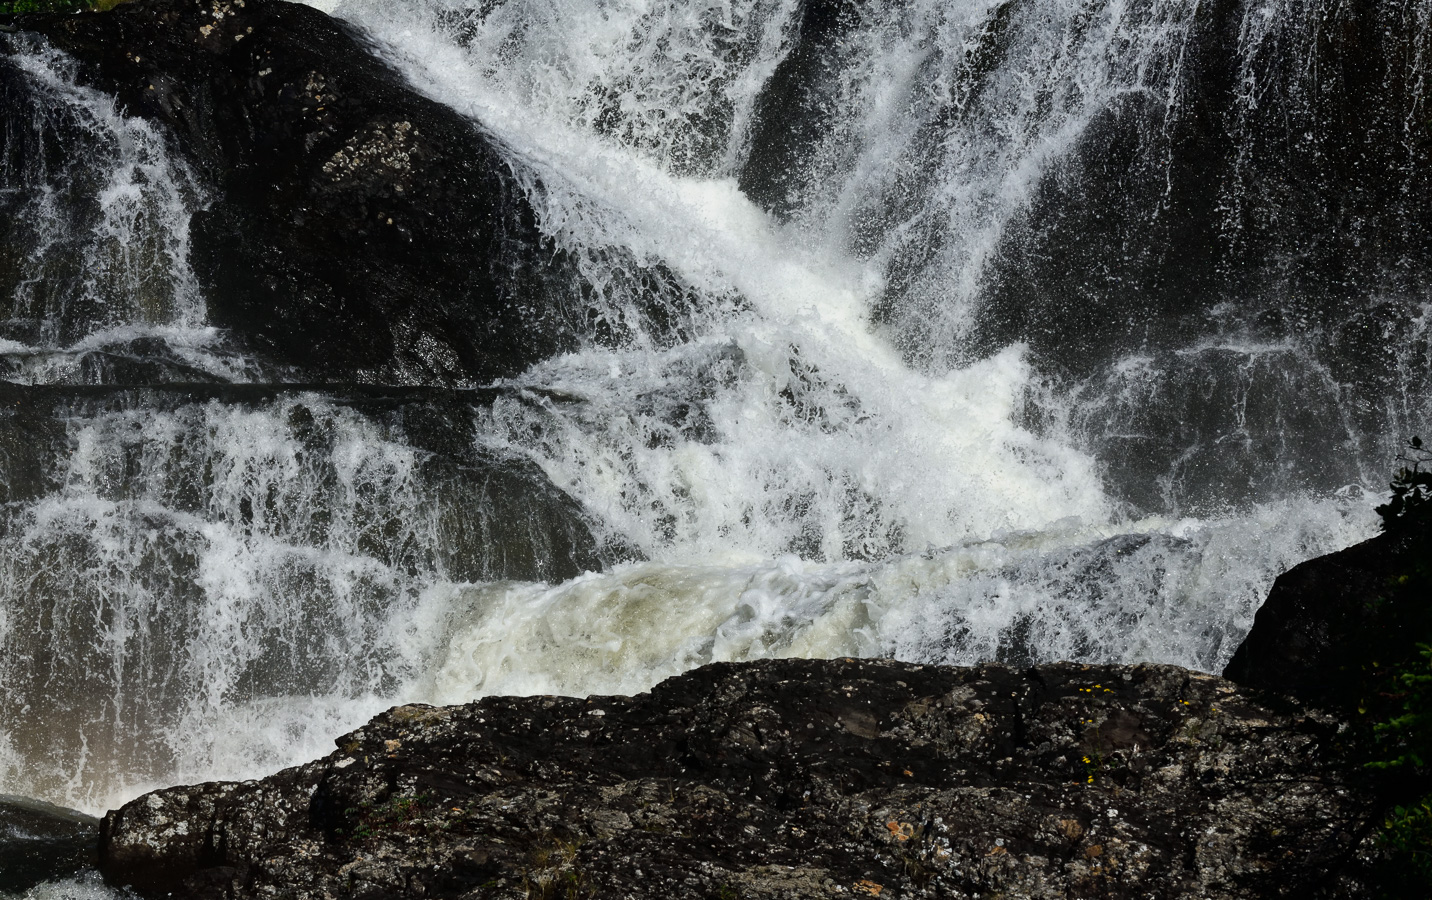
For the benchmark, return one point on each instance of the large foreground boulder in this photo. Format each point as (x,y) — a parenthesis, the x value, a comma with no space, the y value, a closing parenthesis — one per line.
(789,779)
(357,229)
(1334,628)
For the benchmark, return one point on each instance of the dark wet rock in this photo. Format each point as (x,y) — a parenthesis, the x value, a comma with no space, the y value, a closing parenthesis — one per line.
(390,478)
(1333,628)
(40,841)
(71,264)
(1185,432)
(1299,228)
(1177,212)
(790,779)
(357,229)
(499,514)
(796,109)
(1201,231)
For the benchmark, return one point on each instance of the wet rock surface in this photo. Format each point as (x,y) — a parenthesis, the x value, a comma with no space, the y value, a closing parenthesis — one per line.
(500,516)
(40,841)
(357,230)
(1197,261)
(790,779)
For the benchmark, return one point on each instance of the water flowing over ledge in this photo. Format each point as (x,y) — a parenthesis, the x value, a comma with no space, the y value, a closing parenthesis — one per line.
(953,332)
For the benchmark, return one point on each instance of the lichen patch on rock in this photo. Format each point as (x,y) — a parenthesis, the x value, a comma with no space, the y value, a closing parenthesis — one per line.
(791,779)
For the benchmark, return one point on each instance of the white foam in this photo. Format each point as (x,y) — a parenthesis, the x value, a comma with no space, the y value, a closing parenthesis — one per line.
(1181,592)
(86,887)
(800,480)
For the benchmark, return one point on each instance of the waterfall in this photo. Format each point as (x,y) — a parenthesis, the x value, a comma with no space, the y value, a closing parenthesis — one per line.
(948,330)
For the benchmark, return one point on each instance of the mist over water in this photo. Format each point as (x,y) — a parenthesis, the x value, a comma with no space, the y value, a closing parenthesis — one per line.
(905,336)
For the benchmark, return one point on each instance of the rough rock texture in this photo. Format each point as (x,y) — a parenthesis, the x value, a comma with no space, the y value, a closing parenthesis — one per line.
(789,779)
(358,230)
(1332,626)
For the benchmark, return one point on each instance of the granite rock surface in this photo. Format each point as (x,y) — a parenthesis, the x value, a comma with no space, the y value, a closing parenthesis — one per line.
(791,779)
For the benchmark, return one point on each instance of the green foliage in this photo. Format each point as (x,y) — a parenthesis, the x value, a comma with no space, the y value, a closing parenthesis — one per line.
(1407,837)
(1402,739)
(42,6)
(401,814)
(1407,738)
(1411,503)
(554,873)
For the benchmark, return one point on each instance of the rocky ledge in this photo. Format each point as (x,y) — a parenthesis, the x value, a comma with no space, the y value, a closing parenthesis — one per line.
(789,779)
(356,230)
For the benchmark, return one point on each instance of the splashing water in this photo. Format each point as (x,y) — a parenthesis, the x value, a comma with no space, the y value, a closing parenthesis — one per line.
(792,429)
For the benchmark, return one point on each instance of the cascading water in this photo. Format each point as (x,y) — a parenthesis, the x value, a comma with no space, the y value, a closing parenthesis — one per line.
(940,330)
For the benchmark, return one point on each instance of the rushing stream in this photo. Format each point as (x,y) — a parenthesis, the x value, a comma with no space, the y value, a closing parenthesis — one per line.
(948,330)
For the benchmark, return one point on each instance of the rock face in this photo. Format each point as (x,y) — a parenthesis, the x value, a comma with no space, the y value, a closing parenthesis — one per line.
(40,841)
(358,230)
(1332,626)
(500,516)
(789,779)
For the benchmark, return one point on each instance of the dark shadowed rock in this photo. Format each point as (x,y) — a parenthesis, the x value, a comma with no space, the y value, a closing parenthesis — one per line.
(40,841)
(357,229)
(1333,627)
(796,109)
(499,515)
(789,779)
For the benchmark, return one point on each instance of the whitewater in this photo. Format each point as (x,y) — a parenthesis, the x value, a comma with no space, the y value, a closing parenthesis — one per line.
(786,427)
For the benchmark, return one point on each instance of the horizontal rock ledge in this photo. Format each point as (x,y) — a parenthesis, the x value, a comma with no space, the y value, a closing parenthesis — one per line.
(791,778)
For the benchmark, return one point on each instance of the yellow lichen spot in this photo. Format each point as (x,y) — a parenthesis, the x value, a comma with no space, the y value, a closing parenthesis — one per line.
(867,887)
(1071,828)
(900,831)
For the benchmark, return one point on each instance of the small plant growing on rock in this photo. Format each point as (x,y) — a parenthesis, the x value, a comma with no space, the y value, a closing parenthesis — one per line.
(1407,834)
(401,814)
(1403,741)
(554,874)
(1411,503)
(1406,741)
(1410,734)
